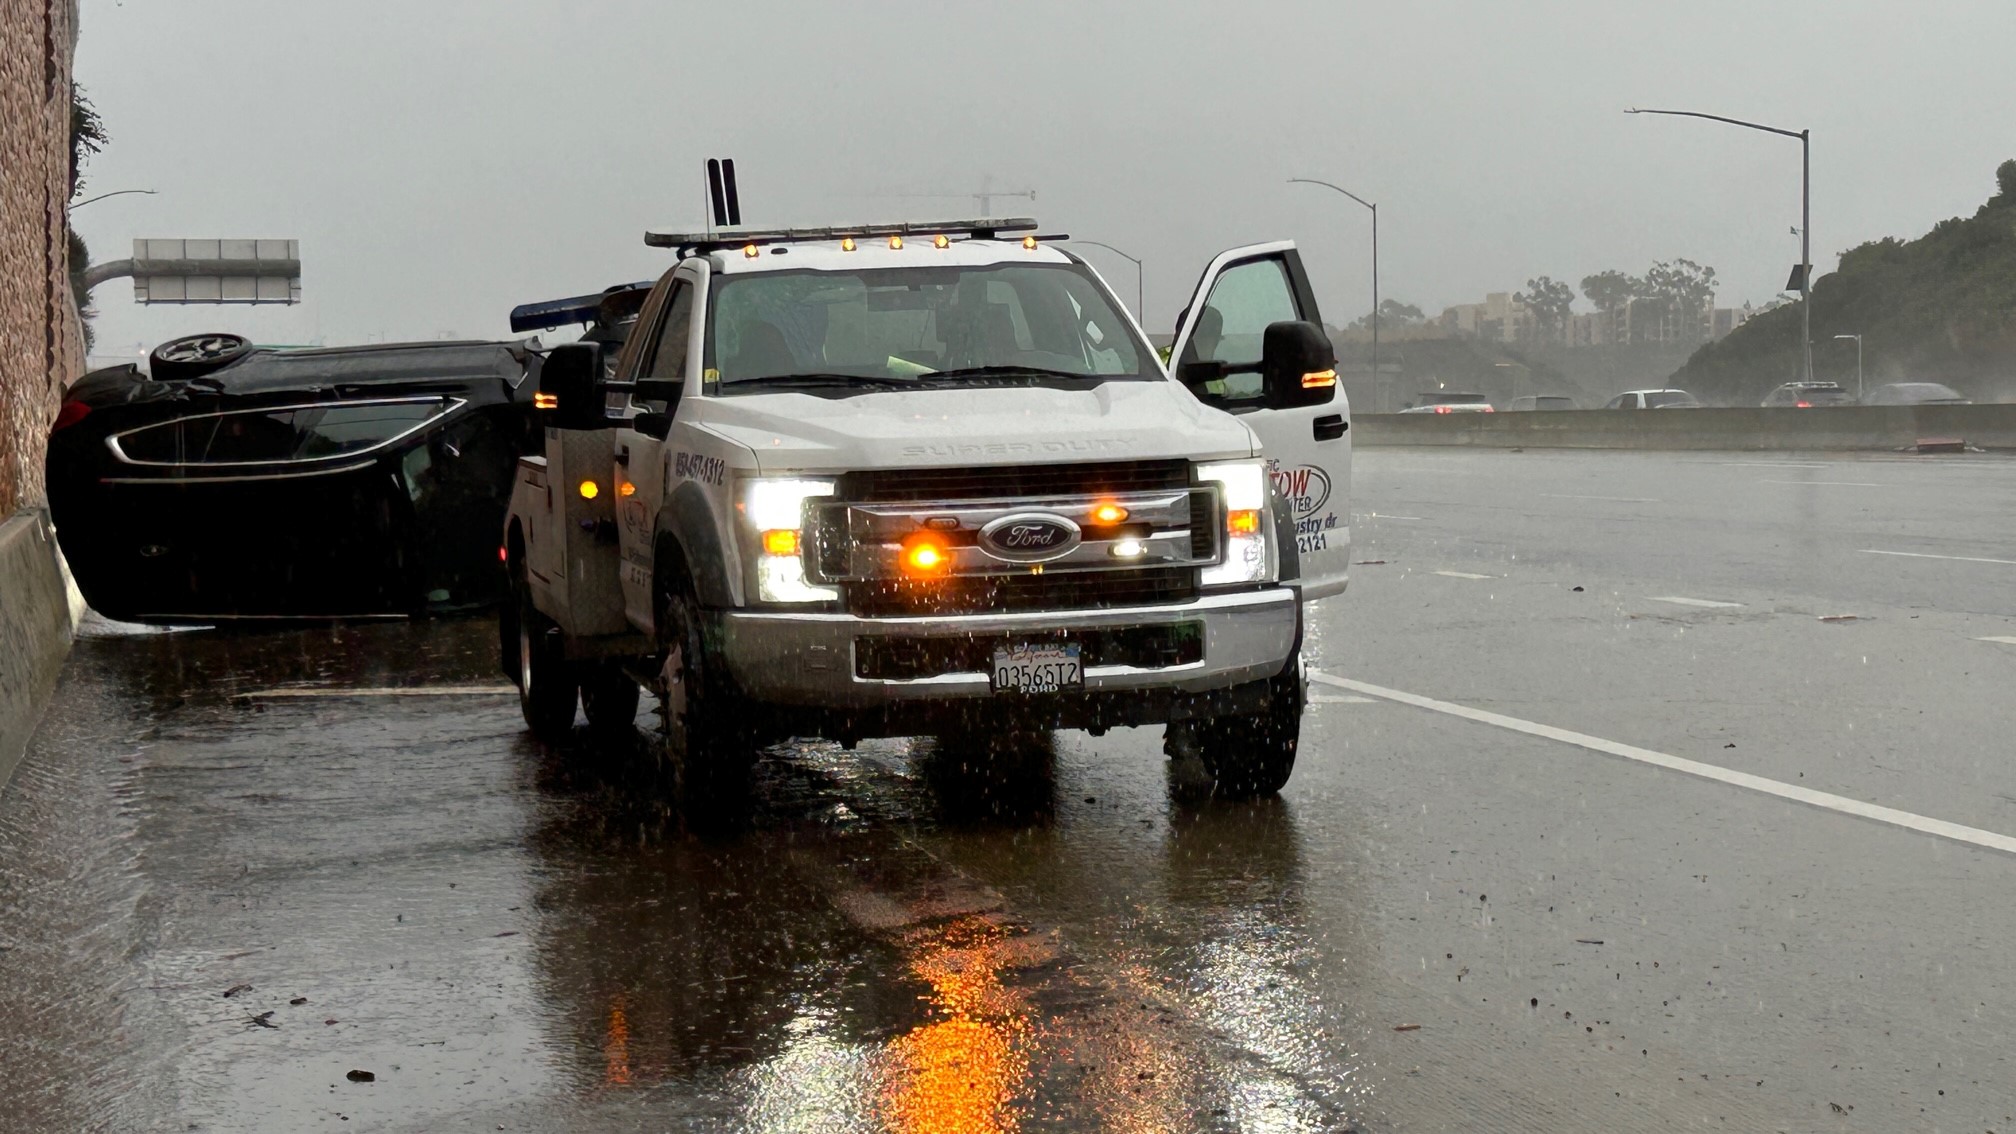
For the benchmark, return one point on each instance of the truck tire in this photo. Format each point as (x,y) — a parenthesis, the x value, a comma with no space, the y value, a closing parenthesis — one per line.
(609,697)
(705,738)
(546,684)
(1251,754)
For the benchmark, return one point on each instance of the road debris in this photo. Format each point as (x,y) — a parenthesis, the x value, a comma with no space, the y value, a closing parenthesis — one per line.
(1406,1027)
(1588,941)
(298,1001)
(1840,618)
(262,1020)
(1370,563)
(236,989)
(361,1077)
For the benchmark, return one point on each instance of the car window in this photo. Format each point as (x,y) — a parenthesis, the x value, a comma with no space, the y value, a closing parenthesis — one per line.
(1231,328)
(910,322)
(668,353)
(302,433)
(1658,398)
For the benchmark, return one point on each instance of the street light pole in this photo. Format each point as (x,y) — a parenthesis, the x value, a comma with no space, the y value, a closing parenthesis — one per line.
(1140,312)
(1858,363)
(1378,390)
(1805,220)
(114,193)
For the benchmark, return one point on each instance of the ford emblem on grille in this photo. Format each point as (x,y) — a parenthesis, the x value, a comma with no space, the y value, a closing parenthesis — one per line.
(1029,537)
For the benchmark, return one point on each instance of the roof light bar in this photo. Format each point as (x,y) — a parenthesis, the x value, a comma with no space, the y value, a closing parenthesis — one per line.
(983,228)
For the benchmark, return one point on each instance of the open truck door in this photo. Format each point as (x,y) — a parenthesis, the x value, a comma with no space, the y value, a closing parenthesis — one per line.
(1251,343)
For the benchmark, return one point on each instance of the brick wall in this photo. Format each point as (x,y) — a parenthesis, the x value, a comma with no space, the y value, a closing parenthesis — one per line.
(41,344)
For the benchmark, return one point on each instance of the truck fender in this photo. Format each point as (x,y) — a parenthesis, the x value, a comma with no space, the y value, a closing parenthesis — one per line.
(690,523)
(1284,533)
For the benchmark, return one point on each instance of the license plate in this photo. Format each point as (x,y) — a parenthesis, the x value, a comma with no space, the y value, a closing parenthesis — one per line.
(1037,669)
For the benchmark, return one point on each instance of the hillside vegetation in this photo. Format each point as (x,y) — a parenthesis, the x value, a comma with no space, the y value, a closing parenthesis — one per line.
(1941,308)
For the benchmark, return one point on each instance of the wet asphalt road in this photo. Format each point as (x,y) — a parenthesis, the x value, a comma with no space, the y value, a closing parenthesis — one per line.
(1445,922)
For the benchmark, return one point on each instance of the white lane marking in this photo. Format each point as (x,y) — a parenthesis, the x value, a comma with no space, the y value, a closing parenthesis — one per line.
(1389,516)
(1928,555)
(1464,575)
(1770,465)
(1831,802)
(1318,699)
(1615,499)
(2004,641)
(390,691)
(1836,483)
(1693,601)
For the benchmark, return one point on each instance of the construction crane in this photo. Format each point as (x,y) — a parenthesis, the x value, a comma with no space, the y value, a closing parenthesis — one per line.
(984,197)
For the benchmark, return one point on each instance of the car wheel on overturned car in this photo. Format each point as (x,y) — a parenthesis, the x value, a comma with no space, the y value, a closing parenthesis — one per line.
(706,737)
(1252,754)
(193,356)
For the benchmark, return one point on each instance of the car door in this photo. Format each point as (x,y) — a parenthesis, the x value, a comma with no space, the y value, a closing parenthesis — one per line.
(663,348)
(1308,447)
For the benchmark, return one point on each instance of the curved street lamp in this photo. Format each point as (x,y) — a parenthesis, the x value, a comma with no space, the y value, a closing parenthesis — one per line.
(1378,393)
(1140,312)
(114,193)
(1805,219)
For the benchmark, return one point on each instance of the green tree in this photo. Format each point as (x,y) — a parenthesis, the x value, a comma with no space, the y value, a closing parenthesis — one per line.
(1681,291)
(1550,301)
(87,137)
(1611,292)
(1392,313)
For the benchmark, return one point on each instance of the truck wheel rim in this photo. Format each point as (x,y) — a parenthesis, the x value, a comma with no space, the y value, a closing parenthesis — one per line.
(524,657)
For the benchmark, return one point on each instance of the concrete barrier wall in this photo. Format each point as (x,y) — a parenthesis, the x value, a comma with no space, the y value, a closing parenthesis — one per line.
(35,630)
(1836,428)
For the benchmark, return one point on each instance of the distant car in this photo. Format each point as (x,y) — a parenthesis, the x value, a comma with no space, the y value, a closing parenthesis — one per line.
(1527,402)
(1653,399)
(239,481)
(1452,407)
(1808,395)
(1915,394)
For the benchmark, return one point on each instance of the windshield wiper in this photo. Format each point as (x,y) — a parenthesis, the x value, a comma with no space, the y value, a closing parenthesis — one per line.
(1012,372)
(824,378)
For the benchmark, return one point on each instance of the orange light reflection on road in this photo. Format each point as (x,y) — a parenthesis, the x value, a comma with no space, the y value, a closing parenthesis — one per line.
(960,1074)
(616,1047)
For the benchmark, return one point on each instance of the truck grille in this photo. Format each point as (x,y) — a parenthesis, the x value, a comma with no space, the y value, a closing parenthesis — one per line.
(989,482)
(1091,590)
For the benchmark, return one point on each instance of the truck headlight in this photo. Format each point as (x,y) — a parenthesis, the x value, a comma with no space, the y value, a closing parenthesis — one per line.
(1249,556)
(775,512)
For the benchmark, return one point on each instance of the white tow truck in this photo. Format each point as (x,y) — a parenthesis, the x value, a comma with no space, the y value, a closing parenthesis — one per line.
(922,478)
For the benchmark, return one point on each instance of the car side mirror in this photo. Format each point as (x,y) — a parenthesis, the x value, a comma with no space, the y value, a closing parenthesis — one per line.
(570,387)
(1298,366)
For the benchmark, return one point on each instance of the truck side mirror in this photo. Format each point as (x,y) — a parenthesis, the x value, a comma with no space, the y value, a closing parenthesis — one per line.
(570,387)
(1298,366)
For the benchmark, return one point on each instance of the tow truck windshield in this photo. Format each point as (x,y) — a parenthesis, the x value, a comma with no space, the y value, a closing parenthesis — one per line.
(1026,322)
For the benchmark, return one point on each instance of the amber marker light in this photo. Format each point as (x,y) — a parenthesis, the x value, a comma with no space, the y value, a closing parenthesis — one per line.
(924,557)
(846,244)
(1319,379)
(1109,514)
(545,401)
(895,242)
(1242,521)
(780,541)
(590,490)
(626,489)
(1029,242)
(749,250)
(941,241)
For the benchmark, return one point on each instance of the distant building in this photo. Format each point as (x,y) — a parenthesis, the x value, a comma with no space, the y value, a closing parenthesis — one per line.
(1502,318)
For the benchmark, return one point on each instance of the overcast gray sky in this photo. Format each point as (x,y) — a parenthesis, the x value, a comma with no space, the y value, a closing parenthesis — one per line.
(441,161)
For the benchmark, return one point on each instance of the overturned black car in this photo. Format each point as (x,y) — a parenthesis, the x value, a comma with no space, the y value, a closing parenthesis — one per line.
(242,482)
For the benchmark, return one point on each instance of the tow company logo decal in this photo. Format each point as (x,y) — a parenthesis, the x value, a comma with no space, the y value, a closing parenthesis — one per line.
(1306,487)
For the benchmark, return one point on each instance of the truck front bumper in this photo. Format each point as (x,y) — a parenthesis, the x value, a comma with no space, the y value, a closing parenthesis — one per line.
(814,660)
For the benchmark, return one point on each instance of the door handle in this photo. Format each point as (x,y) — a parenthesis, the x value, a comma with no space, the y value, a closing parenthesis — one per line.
(1331,426)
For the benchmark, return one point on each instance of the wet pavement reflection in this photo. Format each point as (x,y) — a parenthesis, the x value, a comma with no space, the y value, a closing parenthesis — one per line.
(337,851)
